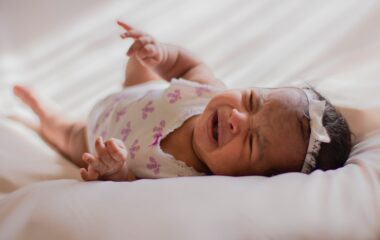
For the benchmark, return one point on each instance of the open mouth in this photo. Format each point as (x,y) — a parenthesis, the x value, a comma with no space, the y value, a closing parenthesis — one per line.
(215,132)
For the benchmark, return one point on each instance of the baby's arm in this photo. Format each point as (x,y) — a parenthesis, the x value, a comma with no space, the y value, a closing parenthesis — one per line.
(180,63)
(167,60)
(109,164)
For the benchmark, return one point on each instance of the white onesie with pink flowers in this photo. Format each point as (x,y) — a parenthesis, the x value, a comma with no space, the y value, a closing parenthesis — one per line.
(144,114)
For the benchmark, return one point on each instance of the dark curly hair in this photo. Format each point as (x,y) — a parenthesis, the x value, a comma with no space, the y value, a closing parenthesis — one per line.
(334,154)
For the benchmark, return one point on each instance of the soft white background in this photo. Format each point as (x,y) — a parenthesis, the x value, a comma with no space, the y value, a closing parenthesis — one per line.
(62,48)
(70,53)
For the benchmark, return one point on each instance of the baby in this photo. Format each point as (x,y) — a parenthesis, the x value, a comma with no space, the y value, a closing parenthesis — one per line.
(174,118)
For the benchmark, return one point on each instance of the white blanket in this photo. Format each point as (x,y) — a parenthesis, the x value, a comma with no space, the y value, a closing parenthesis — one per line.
(70,53)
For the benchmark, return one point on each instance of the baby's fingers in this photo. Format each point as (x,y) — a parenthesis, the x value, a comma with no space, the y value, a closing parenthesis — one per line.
(95,163)
(144,44)
(136,46)
(134,34)
(89,159)
(117,150)
(131,34)
(147,51)
(89,174)
(100,148)
(124,25)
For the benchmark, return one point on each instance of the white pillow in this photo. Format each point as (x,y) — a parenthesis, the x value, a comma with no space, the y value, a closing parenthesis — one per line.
(340,204)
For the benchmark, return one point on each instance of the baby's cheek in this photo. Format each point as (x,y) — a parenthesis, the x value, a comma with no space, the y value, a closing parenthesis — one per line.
(232,150)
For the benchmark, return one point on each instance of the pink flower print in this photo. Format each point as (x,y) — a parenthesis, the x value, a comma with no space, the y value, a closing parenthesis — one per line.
(156,139)
(174,96)
(153,165)
(160,127)
(120,113)
(134,148)
(107,113)
(126,131)
(201,90)
(148,108)
(157,133)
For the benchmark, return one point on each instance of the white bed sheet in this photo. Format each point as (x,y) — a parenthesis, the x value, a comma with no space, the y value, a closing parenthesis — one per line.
(71,54)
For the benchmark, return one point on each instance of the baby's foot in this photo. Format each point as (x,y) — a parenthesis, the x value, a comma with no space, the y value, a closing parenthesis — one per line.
(52,127)
(30,99)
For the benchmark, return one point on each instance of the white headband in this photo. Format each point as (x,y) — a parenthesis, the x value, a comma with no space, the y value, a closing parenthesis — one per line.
(318,133)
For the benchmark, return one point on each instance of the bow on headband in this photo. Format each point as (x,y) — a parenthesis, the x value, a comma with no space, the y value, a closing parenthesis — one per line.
(318,132)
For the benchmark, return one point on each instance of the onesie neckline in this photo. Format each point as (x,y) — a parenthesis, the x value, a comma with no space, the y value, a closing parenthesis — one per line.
(175,124)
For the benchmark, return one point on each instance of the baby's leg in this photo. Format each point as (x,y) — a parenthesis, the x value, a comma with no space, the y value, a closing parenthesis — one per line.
(68,137)
(137,73)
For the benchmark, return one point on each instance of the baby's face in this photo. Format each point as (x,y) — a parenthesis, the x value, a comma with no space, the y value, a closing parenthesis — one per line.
(253,132)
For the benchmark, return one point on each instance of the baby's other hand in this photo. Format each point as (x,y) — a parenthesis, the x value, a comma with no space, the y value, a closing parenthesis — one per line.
(109,162)
(145,47)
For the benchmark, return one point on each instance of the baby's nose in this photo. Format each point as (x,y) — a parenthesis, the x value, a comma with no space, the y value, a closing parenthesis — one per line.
(238,121)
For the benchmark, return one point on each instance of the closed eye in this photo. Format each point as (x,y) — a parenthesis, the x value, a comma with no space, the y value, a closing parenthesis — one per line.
(250,133)
(250,142)
(250,101)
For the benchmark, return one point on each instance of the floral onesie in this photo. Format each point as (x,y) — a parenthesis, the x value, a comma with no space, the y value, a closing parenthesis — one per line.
(142,115)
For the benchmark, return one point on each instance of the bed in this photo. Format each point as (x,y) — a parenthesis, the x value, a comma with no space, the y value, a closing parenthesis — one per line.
(70,53)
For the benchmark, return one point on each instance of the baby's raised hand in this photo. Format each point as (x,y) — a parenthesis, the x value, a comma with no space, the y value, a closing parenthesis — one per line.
(144,47)
(110,162)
